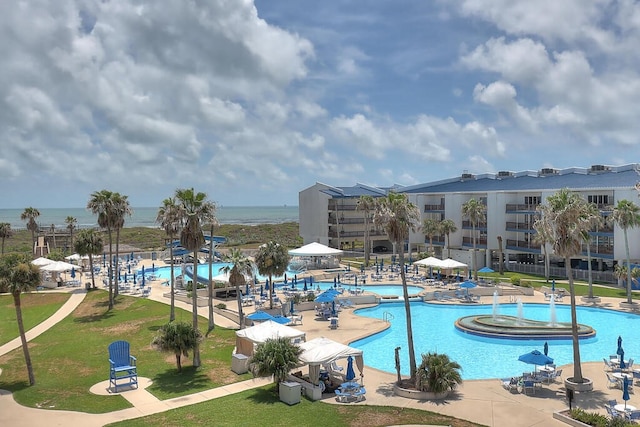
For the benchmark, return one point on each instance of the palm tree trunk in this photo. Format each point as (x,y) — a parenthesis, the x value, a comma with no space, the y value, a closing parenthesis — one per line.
(577,367)
(210,286)
(194,308)
(626,247)
(179,361)
(270,292)
(473,260)
(111,269)
(407,310)
(172,309)
(589,270)
(116,290)
(23,338)
(240,313)
(93,277)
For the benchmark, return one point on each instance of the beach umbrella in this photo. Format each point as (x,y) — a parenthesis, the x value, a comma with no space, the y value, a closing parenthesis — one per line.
(361,268)
(350,375)
(261,290)
(310,280)
(131,256)
(377,269)
(134,279)
(467,284)
(619,350)
(333,308)
(246,289)
(535,358)
(304,288)
(125,277)
(348,266)
(129,268)
(622,364)
(381,262)
(285,278)
(295,278)
(142,280)
(553,285)
(153,266)
(260,316)
(406,268)
(335,282)
(625,390)
(73,273)
(546,348)
(104,259)
(281,319)
(266,285)
(356,280)
(291,307)
(469,274)
(486,270)
(325,297)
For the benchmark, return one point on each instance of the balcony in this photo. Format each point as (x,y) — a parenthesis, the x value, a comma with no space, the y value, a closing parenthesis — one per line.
(521,208)
(519,226)
(601,251)
(522,245)
(339,207)
(480,226)
(433,208)
(333,220)
(481,242)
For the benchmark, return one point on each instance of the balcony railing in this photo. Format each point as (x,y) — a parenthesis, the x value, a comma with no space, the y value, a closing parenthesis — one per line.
(480,241)
(429,208)
(511,225)
(479,226)
(514,207)
(334,220)
(523,244)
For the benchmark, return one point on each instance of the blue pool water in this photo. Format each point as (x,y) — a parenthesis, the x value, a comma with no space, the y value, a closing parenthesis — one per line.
(203,271)
(482,358)
(390,290)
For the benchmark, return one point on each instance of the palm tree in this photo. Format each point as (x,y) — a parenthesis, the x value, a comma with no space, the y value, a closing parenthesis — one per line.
(627,215)
(72,224)
(272,259)
(542,237)
(239,268)
(397,216)
(366,204)
(500,256)
(447,226)
(177,338)
(121,208)
(101,203)
(566,217)
(5,233)
(89,242)
(438,374)
(212,224)
(476,212)
(275,357)
(169,218)
(30,214)
(18,275)
(595,218)
(430,228)
(195,210)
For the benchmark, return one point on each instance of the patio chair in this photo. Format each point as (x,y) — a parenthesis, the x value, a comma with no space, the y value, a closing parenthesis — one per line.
(333,323)
(556,374)
(510,384)
(529,385)
(607,364)
(613,413)
(359,395)
(629,365)
(612,382)
(343,397)
(633,415)
(122,366)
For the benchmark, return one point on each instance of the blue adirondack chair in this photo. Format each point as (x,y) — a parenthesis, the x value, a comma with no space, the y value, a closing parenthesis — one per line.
(122,366)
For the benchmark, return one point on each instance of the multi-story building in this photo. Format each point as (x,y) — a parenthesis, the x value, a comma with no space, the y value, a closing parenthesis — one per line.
(329,215)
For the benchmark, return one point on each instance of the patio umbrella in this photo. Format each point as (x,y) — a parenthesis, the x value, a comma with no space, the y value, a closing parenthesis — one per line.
(310,280)
(261,290)
(535,358)
(125,277)
(622,364)
(335,282)
(356,280)
(619,351)
(246,289)
(304,288)
(338,278)
(467,284)
(377,269)
(260,316)
(281,319)
(295,278)
(553,285)
(291,307)
(333,308)
(73,273)
(153,266)
(361,268)
(266,285)
(350,375)
(546,348)
(285,278)
(486,270)
(104,259)
(129,268)
(325,297)
(142,280)
(625,390)
(134,279)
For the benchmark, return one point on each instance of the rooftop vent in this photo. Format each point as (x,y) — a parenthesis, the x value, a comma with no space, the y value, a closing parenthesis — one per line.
(466,176)
(547,171)
(504,174)
(599,168)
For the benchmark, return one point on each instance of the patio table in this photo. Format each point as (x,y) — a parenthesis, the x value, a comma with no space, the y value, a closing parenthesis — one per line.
(620,407)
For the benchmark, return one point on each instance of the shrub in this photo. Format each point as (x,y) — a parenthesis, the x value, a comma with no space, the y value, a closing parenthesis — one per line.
(177,338)
(598,420)
(221,306)
(437,373)
(515,280)
(275,357)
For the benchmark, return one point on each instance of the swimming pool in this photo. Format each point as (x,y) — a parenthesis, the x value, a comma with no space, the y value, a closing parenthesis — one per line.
(385,290)
(203,271)
(482,358)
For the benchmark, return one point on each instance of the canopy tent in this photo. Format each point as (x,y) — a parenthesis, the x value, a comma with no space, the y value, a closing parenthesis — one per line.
(315,249)
(321,351)
(42,261)
(58,266)
(246,339)
(452,263)
(76,257)
(429,262)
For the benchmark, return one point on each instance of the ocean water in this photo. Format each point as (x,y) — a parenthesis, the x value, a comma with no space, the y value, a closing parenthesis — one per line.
(145,217)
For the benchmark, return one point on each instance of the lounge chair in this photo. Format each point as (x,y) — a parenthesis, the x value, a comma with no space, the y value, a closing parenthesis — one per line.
(359,394)
(612,382)
(633,415)
(607,364)
(613,413)
(342,397)
(530,385)
(333,323)
(510,384)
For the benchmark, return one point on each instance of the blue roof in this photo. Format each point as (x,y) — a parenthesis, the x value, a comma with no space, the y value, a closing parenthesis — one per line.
(354,191)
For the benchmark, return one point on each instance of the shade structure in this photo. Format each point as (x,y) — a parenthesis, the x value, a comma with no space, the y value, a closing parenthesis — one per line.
(535,358)
(486,270)
(452,263)
(304,288)
(619,350)
(546,348)
(76,257)
(468,284)
(429,262)
(260,316)
(247,338)
(57,266)
(351,374)
(281,320)
(42,261)
(315,249)
(322,351)
(326,296)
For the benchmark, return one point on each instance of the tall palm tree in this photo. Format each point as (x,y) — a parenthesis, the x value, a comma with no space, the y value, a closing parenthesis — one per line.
(72,224)
(53,233)
(595,218)
(430,228)
(212,224)
(476,212)
(121,209)
(566,217)
(272,259)
(169,218)
(542,237)
(397,216)
(627,215)
(101,203)
(5,233)
(239,268)
(19,276)
(366,204)
(30,215)
(447,226)
(196,210)
(89,242)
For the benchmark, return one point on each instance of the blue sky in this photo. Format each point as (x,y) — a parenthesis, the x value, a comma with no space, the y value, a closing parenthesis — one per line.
(252,102)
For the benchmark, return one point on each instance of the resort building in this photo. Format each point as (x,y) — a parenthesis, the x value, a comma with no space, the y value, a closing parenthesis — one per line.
(330,215)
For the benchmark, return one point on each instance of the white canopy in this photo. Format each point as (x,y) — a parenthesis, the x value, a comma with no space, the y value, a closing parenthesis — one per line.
(315,249)
(452,263)
(429,262)
(76,257)
(42,261)
(247,338)
(320,351)
(58,266)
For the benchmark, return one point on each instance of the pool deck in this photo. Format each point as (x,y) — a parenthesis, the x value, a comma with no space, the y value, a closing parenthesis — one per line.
(481,401)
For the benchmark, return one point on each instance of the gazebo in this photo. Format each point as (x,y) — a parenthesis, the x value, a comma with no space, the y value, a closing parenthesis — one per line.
(316,256)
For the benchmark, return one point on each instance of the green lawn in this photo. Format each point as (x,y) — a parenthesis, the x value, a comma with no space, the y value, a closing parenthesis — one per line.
(72,356)
(36,307)
(261,406)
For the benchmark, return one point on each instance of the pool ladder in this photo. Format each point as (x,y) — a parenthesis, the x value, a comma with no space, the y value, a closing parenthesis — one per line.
(387,317)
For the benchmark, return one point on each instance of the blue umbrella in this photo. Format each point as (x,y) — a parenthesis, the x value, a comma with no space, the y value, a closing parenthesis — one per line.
(129,268)
(546,348)
(625,390)
(333,308)
(295,278)
(377,269)
(310,280)
(104,259)
(335,282)
(134,279)
(361,268)
(143,278)
(292,308)
(73,272)
(622,364)
(261,290)
(553,285)
(125,277)
(467,284)
(325,297)
(153,266)
(356,280)
(281,319)
(304,288)
(535,358)
(285,278)
(350,375)
(246,289)
(266,285)
(619,351)
(260,316)
(486,270)
(338,278)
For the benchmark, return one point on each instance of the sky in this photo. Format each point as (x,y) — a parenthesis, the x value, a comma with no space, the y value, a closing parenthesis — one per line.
(253,101)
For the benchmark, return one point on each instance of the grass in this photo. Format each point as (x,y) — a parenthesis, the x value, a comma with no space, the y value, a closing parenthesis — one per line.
(262,406)
(72,356)
(36,307)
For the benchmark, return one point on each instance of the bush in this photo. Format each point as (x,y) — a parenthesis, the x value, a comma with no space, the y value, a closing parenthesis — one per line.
(437,373)
(598,420)
(515,280)
(221,306)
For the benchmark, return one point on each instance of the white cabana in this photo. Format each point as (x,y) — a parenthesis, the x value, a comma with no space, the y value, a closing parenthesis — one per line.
(452,263)
(76,257)
(429,262)
(58,266)
(321,351)
(42,261)
(247,339)
(315,249)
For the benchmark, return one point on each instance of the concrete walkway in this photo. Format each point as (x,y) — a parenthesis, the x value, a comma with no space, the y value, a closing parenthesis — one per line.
(481,401)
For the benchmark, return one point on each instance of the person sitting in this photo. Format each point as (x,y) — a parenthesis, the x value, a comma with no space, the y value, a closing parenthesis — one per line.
(329,386)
